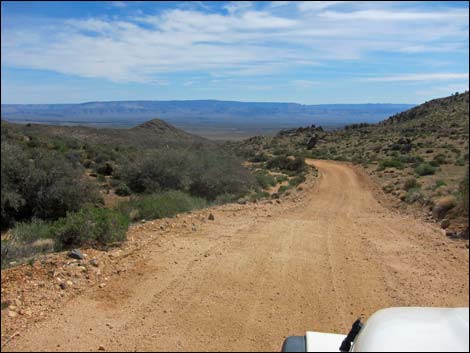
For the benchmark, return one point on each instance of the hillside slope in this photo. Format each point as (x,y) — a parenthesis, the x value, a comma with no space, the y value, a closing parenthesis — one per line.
(419,157)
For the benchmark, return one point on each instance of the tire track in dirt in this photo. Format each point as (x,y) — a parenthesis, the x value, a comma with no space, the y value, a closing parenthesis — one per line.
(248,279)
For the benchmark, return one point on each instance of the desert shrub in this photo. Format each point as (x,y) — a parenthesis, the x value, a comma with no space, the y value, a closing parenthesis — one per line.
(260,157)
(390,163)
(415,160)
(90,226)
(27,240)
(425,169)
(204,174)
(165,204)
(388,188)
(225,198)
(442,206)
(465,192)
(259,195)
(105,168)
(42,184)
(440,159)
(413,195)
(283,189)
(285,163)
(439,183)
(123,190)
(264,179)
(411,183)
(281,178)
(297,180)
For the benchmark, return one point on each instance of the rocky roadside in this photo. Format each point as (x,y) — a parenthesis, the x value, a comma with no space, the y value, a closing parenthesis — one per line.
(33,291)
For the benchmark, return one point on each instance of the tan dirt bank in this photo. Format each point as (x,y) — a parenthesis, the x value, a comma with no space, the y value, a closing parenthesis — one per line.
(258,273)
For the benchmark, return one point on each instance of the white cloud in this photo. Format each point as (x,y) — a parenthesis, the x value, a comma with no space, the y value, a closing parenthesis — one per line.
(246,41)
(317,5)
(421,77)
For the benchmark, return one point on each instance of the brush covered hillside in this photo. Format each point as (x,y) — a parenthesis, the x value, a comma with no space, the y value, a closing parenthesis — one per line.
(64,187)
(419,157)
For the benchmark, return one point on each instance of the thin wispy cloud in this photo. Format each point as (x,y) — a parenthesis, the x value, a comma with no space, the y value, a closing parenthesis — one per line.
(284,41)
(421,77)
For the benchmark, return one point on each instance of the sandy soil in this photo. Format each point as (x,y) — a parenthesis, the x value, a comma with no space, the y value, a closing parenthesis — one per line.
(259,273)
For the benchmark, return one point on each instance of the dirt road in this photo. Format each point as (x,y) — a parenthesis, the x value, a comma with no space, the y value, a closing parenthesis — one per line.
(258,273)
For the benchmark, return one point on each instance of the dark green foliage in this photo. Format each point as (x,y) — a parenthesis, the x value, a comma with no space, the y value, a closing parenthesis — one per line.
(297,180)
(40,183)
(90,226)
(285,163)
(123,190)
(284,188)
(411,183)
(281,178)
(390,163)
(202,173)
(105,168)
(165,204)
(440,159)
(425,169)
(260,157)
(264,179)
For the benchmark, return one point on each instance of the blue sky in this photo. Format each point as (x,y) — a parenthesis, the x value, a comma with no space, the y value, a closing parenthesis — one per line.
(306,52)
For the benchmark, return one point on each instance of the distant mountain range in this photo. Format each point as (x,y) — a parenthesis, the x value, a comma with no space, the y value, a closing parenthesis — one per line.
(201,113)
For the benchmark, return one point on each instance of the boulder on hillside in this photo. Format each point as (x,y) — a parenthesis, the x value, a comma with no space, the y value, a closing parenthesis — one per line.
(312,142)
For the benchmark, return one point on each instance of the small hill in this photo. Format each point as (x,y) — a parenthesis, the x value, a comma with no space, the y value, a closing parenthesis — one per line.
(154,133)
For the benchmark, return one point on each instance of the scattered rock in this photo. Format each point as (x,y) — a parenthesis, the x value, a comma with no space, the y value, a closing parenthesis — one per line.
(94,263)
(194,229)
(102,285)
(12,313)
(445,223)
(211,217)
(101,348)
(76,254)
(63,285)
(451,233)
(464,234)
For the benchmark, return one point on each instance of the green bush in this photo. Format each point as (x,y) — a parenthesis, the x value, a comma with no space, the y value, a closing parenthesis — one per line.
(439,183)
(390,163)
(42,184)
(123,190)
(165,204)
(284,188)
(411,183)
(27,240)
(281,178)
(425,169)
(260,157)
(295,181)
(24,232)
(285,163)
(90,227)
(204,174)
(264,179)
(413,195)
(440,159)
